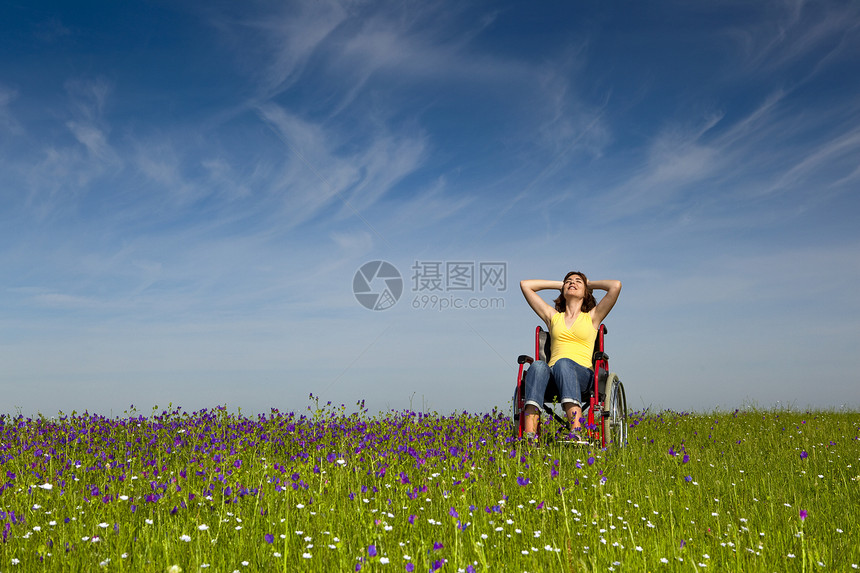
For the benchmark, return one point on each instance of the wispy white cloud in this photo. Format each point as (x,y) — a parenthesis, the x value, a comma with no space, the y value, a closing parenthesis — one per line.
(316,175)
(160,161)
(429,207)
(359,242)
(95,141)
(764,150)
(68,168)
(421,43)
(743,159)
(312,175)
(293,34)
(675,160)
(783,33)
(840,153)
(223,176)
(758,122)
(384,163)
(366,66)
(193,179)
(88,97)
(850,179)
(58,180)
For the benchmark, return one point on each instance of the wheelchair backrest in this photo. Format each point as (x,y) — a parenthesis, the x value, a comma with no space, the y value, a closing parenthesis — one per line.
(542,345)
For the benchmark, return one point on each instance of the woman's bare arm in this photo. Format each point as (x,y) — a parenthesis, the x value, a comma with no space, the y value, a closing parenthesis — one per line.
(530,288)
(613,289)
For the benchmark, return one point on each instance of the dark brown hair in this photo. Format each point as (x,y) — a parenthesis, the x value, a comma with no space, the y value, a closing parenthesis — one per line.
(587,303)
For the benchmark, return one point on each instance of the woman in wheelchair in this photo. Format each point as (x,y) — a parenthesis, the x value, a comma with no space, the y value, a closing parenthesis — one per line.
(572,326)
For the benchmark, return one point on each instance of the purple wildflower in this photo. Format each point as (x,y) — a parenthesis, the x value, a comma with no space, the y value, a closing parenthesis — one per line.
(802,514)
(437,546)
(803,455)
(522,481)
(269,538)
(371,551)
(590,460)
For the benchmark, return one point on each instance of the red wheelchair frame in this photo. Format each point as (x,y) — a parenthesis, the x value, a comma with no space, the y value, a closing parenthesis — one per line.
(606,407)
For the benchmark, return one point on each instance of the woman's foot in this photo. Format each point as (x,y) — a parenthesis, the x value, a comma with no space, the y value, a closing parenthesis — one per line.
(575,437)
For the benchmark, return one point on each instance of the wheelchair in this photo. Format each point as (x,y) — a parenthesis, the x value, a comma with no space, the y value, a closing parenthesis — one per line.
(604,400)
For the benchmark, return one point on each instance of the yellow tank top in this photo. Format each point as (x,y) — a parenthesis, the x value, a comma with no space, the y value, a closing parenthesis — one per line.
(576,342)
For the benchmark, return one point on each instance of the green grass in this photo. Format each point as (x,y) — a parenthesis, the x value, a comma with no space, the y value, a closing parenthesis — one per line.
(214,491)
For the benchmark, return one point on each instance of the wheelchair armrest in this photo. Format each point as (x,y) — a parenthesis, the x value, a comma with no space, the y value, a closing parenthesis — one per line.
(525,359)
(600,356)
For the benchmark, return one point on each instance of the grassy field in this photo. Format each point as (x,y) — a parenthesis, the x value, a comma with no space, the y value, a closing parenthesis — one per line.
(332,490)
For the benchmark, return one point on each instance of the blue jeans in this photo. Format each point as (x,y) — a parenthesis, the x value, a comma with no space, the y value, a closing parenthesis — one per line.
(571,380)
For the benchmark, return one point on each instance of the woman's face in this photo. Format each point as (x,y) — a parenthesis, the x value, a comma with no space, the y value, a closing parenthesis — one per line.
(574,286)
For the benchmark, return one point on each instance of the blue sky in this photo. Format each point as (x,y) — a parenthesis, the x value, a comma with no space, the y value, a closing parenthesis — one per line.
(187,190)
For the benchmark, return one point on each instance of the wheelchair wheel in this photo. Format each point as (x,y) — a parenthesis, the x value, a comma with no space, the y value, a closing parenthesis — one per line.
(616,414)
